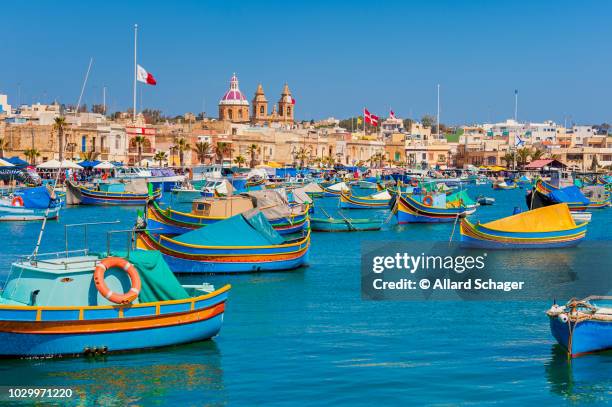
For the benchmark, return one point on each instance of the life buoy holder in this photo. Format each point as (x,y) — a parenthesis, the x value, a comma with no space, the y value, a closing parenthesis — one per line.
(428,200)
(111,262)
(17,201)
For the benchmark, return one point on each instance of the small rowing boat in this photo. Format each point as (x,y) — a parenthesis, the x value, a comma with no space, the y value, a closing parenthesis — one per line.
(485,200)
(335,190)
(379,200)
(432,208)
(30,204)
(581,326)
(344,225)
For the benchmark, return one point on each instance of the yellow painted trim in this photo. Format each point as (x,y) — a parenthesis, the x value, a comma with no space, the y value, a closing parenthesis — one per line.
(298,243)
(81,309)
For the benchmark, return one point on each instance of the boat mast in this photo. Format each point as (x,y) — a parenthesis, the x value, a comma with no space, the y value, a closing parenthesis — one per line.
(438,116)
(135,71)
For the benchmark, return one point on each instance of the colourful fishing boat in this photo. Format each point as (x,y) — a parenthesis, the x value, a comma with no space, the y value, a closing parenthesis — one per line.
(581,326)
(30,204)
(432,208)
(504,185)
(577,199)
(546,227)
(207,211)
(110,194)
(335,189)
(240,244)
(379,200)
(69,304)
(344,224)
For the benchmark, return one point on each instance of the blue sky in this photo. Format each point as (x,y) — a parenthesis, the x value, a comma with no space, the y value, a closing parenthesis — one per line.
(337,56)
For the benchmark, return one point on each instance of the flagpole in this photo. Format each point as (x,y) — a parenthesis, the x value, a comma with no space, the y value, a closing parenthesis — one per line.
(135,70)
(438,115)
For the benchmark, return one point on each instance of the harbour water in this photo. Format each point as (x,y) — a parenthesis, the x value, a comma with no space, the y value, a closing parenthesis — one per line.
(306,337)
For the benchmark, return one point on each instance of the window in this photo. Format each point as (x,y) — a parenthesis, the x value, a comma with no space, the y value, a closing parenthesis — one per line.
(288,110)
(261,110)
(280,110)
(240,114)
(117,142)
(229,114)
(83,144)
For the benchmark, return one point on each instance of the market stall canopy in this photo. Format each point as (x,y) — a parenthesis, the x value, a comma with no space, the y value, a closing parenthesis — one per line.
(104,165)
(4,163)
(89,164)
(18,162)
(55,164)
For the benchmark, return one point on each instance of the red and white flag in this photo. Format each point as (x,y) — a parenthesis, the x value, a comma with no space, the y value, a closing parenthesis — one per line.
(370,118)
(392,115)
(145,77)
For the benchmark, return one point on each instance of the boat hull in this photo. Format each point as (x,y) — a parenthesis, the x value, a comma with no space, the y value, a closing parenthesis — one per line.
(354,202)
(15,213)
(412,211)
(586,336)
(325,225)
(87,196)
(200,259)
(51,331)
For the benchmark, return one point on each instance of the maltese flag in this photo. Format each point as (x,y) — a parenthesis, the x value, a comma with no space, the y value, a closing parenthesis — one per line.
(145,77)
(392,115)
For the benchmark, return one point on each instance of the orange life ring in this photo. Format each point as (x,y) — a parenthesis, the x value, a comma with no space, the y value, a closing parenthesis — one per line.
(129,268)
(414,183)
(17,201)
(428,200)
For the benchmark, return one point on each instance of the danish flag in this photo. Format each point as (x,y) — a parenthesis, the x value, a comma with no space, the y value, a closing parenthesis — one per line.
(370,118)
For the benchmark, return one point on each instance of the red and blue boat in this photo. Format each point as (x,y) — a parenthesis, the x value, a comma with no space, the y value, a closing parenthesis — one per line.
(546,227)
(69,304)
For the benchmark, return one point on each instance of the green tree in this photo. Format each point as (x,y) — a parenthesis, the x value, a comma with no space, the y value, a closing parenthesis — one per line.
(139,141)
(428,121)
(221,150)
(509,158)
(594,163)
(522,156)
(202,150)
(60,125)
(89,155)
(4,145)
(31,155)
(181,146)
(252,149)
(160,157)
(239,160)
(536,154)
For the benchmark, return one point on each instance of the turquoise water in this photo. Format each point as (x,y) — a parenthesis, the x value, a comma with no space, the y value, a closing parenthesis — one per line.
(305,337)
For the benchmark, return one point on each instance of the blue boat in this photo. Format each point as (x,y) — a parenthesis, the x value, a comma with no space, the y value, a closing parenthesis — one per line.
(68,304)
(581,326)
(109,194)
(433,208)
(30,204)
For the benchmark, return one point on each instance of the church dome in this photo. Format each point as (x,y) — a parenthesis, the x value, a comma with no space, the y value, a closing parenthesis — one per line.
(233,96)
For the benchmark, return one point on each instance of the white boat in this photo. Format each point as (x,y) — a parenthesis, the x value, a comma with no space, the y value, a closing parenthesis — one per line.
(207,172)
(30,204)
(581,216)
(165,175)
(185,192)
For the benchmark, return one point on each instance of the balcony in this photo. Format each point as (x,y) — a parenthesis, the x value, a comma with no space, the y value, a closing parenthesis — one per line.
(144,150)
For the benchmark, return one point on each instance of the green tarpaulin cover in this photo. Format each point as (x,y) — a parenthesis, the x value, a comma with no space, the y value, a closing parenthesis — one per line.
(248,229)
(158,281)
(461,195)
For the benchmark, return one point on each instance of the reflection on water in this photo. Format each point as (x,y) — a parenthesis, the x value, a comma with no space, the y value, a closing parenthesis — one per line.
(584,379)
(188,372)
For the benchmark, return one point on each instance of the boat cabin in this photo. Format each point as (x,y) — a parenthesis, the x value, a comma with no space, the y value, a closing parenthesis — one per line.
(221,207)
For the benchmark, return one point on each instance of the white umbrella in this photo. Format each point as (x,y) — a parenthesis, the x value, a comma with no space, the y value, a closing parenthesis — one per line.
(104,165)
(4,163)
(50,165)
(55,164)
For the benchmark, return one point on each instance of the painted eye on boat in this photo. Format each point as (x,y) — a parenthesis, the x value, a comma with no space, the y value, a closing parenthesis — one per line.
(66,280)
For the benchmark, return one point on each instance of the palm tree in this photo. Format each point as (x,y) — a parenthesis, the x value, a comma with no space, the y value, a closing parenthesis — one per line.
(139,141)
(222,149)
(536,154)
(89,155)
(303,155)
(4,145)
(239,160)
(160,156)
(594,163)
(202,149)
(522,156)
(509,158)
(31,154)
(59,125)
(181,146)
(252,149)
